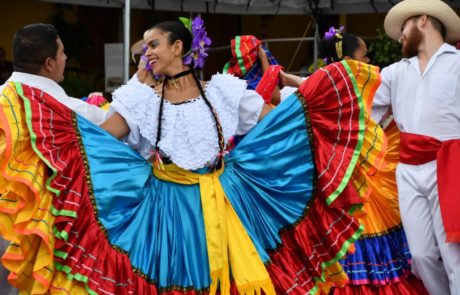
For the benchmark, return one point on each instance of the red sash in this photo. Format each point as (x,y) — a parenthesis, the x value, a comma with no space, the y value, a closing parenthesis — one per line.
(419,149)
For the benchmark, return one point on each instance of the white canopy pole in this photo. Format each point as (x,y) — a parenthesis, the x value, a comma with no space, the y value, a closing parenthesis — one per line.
(126,41)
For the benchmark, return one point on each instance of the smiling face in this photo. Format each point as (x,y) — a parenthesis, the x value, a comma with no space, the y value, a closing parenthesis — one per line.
(164,58)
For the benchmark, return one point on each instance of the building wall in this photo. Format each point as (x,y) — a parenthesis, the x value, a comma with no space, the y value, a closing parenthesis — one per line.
(16,14)
(364,25)
(105,25)
(283,26)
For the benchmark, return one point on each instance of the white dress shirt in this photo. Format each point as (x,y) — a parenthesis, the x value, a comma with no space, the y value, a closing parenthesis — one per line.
(425,104)
(428,103)
(90,112)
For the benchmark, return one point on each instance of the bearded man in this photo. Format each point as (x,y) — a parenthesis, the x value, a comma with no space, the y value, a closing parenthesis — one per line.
(422,93)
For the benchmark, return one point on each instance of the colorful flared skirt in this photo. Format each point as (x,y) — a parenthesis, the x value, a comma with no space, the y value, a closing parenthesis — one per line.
(87,214)
(381,263)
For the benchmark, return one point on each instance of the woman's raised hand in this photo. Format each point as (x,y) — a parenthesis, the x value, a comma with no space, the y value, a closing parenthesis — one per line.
(290,80)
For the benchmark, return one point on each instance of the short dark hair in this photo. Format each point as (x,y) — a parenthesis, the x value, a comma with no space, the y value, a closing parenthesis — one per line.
(32,45)
(176,31)
(438,26)
(327,47)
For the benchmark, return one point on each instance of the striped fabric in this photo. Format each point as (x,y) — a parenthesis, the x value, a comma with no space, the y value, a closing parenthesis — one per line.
(244,62)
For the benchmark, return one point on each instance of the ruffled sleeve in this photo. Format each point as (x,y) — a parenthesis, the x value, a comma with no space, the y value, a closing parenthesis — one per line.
(138,104)
(238,108)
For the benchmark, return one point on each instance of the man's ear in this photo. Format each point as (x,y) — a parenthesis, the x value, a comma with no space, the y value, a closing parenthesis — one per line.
(423,20)
(48,64)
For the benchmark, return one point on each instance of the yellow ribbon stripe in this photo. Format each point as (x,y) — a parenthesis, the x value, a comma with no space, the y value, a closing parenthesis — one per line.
(373,150)
(229,245)
(374,175)
(382,208)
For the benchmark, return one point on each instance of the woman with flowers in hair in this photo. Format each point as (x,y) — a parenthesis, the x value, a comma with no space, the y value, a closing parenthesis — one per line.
(337,45)
(173,211)
(334,47)
(381,261)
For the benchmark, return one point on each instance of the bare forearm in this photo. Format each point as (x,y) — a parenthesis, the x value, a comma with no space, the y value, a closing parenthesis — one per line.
(290,80)
(116,125)
(265,110)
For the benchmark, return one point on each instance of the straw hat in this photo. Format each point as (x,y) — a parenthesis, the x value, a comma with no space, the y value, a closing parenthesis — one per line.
(404,10)
(137,47)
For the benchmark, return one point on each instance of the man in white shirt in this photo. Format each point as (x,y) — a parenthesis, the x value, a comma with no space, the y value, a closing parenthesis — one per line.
(39,61)
(422,93)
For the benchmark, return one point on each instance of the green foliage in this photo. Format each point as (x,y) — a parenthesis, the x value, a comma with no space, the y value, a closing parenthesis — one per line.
(79,84)
(187,22)
(319,64)
(384,50)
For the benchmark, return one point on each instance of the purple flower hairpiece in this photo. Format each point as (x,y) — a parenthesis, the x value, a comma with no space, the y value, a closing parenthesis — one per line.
(329,35)
(144,58)
(200,42)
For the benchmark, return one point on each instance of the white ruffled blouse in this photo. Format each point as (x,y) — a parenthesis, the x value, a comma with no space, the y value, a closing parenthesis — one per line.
(188,132)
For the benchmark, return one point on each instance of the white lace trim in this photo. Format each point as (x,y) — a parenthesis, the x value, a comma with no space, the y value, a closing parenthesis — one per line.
(188,134)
